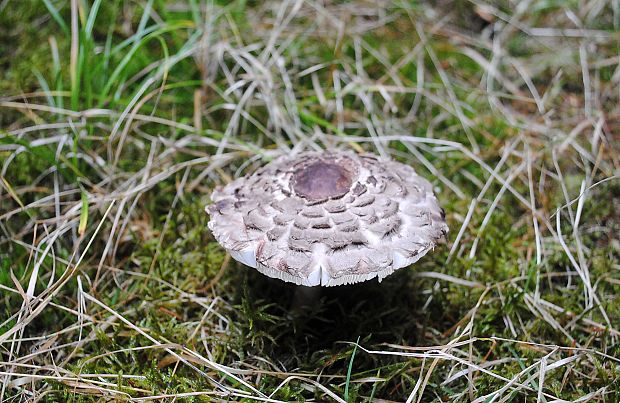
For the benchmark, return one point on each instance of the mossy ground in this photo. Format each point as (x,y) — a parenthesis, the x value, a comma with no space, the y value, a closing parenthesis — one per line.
(113,135)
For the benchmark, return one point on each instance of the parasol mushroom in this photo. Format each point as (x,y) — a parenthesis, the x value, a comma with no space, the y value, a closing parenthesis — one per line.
(328,218)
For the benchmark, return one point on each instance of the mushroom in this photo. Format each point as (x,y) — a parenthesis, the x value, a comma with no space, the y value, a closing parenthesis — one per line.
(328,218)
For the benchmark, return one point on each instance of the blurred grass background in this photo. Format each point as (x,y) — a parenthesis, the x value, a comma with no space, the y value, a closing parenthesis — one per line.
(117,118)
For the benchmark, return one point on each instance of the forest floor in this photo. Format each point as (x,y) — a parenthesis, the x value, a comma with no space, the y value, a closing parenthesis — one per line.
(118,118)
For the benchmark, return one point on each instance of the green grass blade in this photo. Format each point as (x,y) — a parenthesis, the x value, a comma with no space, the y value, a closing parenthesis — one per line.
(44,86)
(56,15)
(92,16)
(349,369)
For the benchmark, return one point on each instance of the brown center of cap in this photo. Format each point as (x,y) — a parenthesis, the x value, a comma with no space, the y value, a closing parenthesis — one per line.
(322,180)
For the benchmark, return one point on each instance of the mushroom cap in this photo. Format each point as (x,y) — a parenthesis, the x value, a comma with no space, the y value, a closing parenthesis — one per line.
(328,218)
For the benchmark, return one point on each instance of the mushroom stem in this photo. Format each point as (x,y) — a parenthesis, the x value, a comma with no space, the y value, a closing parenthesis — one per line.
(304,300)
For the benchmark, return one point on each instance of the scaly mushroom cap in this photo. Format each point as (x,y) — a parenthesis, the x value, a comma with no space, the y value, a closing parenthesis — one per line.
(328,218)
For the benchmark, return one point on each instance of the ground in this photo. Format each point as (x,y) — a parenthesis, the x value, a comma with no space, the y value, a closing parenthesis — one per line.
(117,119)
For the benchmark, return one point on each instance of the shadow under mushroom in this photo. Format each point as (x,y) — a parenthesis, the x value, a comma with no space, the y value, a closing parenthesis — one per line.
(386,312)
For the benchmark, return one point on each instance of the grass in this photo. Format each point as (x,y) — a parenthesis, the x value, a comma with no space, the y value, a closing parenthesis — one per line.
(117,119)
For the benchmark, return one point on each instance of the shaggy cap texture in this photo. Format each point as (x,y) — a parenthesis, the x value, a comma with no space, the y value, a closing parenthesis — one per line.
(328,218)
